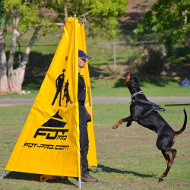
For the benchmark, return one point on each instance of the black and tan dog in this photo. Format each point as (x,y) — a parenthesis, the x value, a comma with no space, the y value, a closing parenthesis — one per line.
(146,114)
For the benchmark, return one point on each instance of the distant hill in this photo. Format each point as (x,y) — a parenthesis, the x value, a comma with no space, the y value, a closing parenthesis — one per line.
(136,8)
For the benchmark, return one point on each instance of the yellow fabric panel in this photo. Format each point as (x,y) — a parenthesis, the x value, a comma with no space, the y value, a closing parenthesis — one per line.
(49,141)
(92,158)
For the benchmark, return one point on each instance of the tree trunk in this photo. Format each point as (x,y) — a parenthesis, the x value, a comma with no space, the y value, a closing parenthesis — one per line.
(16,76)
(4,88)
(11,80)
(65,12)
(12,75)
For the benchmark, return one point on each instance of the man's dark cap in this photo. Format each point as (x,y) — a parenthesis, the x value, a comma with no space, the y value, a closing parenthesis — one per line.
(82,55)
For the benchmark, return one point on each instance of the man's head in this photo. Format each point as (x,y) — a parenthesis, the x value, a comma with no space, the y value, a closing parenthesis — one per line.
(82,57)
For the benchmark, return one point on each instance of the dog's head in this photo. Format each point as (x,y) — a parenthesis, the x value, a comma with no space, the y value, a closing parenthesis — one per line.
(130,80)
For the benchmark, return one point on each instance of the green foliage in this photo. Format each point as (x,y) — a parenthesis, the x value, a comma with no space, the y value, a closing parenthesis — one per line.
(100,16)
(29,17)
(31,14)
(7,5)
(169,19)
(109,11)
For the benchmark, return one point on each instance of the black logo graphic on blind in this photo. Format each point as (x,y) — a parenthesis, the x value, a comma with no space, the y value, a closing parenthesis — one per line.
(59,86)
(53,128)
(66,93)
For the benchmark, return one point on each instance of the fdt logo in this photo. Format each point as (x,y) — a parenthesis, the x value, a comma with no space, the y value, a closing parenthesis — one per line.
(53,129)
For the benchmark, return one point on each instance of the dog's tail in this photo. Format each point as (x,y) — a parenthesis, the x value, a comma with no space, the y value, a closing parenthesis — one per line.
(184,126)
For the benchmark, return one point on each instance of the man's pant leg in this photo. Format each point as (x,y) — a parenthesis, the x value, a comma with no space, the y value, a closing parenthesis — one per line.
(84,144)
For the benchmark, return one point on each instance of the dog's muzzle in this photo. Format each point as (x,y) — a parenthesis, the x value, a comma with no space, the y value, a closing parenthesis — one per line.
(128,78)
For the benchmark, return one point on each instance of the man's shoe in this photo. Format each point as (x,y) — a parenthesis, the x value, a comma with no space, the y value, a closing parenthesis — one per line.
(88,178)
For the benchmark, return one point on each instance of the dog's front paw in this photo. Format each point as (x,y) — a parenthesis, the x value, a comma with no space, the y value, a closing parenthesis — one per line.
(115,126)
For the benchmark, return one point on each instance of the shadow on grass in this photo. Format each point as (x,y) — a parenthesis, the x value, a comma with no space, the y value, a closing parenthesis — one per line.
(113,170)
(94,71)
(35,177)
(33,84)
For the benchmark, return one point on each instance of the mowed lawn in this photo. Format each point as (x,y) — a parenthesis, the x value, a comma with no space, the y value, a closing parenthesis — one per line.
(127,157)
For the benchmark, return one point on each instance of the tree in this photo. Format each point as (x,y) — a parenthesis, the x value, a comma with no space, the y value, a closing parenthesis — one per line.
(22,16)
(100,16)
(169,19)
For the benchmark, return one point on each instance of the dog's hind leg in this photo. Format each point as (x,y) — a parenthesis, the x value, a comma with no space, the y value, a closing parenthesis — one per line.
(166,156)
(173,153)
(169,160)
(127,119)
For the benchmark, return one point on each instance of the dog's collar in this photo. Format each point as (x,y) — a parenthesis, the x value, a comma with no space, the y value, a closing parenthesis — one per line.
(140,92)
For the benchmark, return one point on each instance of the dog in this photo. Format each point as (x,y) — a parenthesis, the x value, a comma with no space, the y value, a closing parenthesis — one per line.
(146,114)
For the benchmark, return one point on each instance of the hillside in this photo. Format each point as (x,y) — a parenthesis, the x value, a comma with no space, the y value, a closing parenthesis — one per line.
(136,8)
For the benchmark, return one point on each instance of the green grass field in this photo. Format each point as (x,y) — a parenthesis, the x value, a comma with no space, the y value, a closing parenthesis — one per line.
(114,87)
(127,157)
